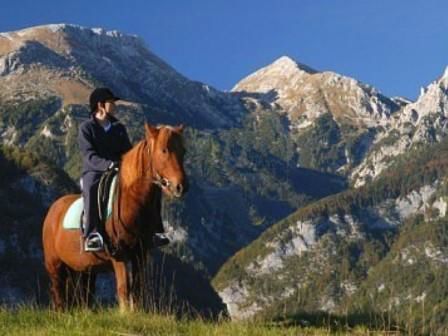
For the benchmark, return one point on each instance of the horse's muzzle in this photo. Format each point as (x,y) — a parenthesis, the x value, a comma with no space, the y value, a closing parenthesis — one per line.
(178,190)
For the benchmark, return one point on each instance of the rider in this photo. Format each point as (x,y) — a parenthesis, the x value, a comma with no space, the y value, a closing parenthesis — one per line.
(102,141)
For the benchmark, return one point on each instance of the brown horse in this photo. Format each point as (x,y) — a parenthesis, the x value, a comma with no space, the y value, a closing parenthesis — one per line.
(153,165)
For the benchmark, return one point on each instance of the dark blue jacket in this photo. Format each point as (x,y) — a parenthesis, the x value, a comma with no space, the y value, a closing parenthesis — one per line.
(100,148)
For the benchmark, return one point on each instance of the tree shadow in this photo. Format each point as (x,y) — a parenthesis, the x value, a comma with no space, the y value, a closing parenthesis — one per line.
(312,182)
(268,97)
(185,291)
(35,52)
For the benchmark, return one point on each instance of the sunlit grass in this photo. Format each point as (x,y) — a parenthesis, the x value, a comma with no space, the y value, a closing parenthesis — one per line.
(34,321)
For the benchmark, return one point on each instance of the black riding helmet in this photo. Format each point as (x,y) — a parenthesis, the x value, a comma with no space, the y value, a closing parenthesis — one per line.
(100,95)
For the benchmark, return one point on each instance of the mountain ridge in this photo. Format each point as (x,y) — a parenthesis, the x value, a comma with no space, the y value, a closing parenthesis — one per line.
(65,55)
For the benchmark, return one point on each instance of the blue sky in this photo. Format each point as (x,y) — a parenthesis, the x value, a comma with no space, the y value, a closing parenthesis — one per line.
(395,45)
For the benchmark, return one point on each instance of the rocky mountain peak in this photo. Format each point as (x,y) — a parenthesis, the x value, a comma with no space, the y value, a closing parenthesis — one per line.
(306,94)
(420,122)
(432,103)
(443,81)
(288,65)
(274,76)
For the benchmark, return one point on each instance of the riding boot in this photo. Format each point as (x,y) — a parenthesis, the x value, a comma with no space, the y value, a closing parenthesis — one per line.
(93,241)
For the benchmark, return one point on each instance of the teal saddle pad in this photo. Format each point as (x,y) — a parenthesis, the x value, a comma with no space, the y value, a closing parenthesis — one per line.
(72,218)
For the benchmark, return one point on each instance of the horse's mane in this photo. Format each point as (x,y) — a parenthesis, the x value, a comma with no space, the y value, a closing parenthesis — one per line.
(135,163)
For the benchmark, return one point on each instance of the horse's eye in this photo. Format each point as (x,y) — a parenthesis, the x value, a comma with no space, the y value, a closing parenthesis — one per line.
(164,151)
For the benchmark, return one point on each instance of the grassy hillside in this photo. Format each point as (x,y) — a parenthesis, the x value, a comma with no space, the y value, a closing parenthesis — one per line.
(330,272)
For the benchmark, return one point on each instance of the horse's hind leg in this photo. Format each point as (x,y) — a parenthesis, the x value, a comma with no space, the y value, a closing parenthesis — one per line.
(139,278)
(57,273)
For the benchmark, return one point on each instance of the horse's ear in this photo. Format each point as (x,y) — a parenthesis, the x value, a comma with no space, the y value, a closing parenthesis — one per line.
(151,131)
(180,128)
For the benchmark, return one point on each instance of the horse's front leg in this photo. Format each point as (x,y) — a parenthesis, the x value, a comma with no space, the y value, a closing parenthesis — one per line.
(123,283)
(139,277)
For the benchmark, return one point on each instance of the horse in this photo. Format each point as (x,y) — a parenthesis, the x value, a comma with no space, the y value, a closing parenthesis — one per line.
(154,166)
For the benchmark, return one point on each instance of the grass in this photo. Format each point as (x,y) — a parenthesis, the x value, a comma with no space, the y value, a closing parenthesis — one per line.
(37,321)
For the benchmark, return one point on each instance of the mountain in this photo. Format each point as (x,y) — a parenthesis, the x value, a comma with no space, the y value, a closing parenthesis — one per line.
(332,118)
(306,186)
(67,61)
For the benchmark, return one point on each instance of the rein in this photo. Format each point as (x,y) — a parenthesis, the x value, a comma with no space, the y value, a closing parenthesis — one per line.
(110,246)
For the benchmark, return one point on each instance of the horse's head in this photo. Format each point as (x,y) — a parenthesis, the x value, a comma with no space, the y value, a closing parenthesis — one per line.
(167,151)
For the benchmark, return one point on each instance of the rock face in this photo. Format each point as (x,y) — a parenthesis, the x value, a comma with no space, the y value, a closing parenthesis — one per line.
(417,124)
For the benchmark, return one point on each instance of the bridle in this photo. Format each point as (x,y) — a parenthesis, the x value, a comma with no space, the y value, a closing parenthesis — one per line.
(160,181)
(157,179)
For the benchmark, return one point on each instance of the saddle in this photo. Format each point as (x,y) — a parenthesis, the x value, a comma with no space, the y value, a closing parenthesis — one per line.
(106,192)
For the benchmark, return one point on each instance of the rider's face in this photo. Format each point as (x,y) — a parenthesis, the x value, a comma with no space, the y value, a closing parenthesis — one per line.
(110,107)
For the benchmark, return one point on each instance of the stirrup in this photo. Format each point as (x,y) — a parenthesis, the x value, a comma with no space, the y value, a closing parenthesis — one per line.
(160,239)
(93,242)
